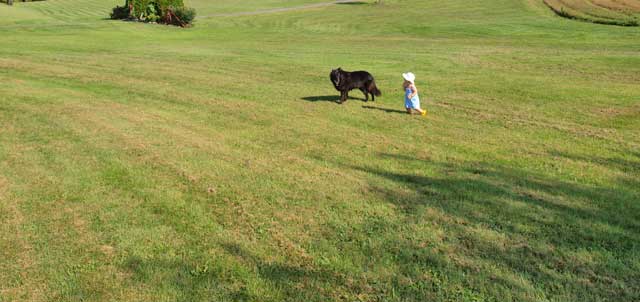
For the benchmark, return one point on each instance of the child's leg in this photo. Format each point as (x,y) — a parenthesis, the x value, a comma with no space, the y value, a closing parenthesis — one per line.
(415,104)
(408,110)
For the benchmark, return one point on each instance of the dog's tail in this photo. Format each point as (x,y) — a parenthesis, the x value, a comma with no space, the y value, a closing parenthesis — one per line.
(374,89)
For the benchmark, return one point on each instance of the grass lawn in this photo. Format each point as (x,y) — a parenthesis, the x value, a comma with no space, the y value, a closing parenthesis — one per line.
(145,162)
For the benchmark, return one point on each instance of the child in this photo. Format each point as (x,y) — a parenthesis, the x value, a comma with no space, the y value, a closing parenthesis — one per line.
(411,98)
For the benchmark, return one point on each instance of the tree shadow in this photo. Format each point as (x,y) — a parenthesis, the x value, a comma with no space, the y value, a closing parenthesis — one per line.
(487,183)
(501,230)
(187,279)
(387,110)
(543,220)
(627,166)
(298,280)
(284,275)
(198,278)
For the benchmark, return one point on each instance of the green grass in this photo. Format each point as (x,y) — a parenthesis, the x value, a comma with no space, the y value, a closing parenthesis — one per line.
(142,162)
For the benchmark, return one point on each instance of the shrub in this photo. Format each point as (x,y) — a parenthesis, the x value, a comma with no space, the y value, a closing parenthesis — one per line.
(166,11)
(151,14)
(140,7)
(185,14)
(168,4)
(120,12)
(152,18)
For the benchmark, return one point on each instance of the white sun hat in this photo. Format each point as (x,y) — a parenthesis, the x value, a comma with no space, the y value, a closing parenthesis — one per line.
(409,76)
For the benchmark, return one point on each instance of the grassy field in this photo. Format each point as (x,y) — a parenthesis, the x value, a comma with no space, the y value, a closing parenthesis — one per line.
(143,162)
(614,12)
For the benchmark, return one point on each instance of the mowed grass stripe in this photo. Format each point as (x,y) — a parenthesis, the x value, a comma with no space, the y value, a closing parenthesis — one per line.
(73,285)
(53,230)
(92,121)
(18,253)
(70,10)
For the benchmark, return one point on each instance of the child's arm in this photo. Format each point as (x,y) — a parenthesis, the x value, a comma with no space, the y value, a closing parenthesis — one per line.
(414,91)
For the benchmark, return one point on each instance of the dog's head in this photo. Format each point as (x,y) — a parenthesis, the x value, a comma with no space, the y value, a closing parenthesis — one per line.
(336,76)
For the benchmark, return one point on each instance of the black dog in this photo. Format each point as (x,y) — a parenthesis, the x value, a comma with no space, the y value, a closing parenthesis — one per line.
(345,81)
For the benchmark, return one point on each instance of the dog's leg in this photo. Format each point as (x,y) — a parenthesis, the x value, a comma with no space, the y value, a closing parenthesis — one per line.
(343,96)
(373,90)
(366,94)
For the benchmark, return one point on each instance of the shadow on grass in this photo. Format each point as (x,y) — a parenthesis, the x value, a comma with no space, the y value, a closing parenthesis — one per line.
(201,278)
(621,164)
(189,280)
(505,234)
(322,98)
(291,276)
(487,185)
(352,3)
(328,98)
(387,110)
(546,225)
